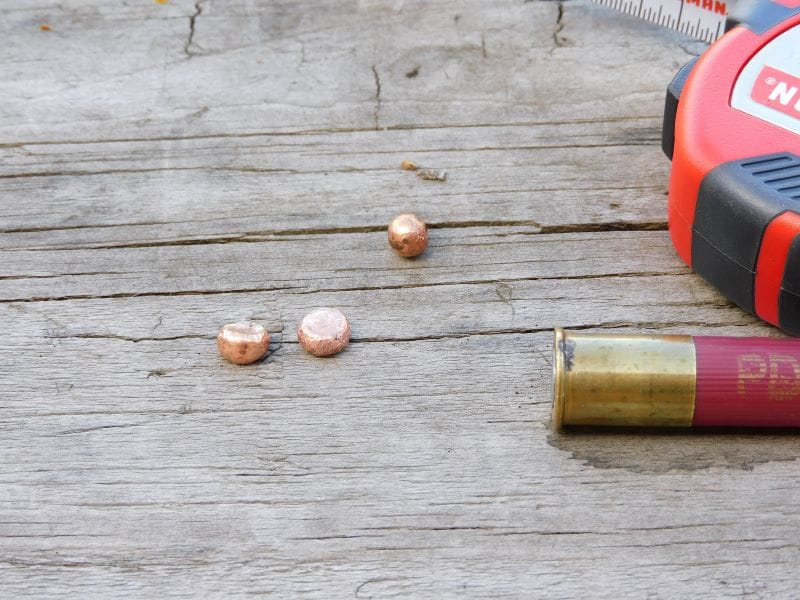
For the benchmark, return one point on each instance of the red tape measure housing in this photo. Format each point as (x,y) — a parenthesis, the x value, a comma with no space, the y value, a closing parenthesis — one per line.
(734,198)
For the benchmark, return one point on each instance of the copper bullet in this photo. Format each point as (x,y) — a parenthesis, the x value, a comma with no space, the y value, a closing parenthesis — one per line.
(408,165)
(408,235)
(323,332)
(243,343)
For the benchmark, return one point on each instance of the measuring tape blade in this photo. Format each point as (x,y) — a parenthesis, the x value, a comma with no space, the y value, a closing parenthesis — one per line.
(701,19)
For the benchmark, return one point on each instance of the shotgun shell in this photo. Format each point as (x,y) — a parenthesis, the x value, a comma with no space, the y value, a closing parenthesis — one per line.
(621,380)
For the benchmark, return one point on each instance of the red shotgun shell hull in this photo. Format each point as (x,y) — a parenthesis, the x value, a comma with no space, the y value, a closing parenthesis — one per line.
(747,382)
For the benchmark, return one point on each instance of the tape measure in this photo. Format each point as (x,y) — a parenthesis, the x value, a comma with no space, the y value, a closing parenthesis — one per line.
(732,130)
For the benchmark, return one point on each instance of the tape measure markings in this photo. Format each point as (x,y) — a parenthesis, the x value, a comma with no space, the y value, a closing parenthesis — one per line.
(702,19)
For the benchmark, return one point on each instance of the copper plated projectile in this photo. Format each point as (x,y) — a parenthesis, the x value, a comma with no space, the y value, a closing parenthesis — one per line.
(408,235)
(243,343)
(324,332)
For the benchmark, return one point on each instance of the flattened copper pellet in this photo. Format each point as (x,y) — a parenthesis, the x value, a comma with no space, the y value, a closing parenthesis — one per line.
(323,332)
(243,342)
(408,235)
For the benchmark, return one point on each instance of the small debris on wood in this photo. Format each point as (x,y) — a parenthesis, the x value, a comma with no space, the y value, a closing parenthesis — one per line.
(432,174)
(424,172)
(45,27)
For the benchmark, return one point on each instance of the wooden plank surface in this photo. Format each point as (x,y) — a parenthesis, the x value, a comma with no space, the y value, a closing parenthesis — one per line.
(166,168)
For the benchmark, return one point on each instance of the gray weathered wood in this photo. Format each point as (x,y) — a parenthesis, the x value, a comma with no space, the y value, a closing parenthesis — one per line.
(168,168)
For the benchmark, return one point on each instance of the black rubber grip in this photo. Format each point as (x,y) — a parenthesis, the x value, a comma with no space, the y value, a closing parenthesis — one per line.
(736,202)
(674,90)
(789,299)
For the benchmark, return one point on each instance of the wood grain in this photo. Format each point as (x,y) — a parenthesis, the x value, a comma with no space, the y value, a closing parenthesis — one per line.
(166,168)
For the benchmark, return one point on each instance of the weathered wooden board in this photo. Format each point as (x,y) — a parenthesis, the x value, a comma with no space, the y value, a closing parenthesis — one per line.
(141,70)
(166,168)
(546,176)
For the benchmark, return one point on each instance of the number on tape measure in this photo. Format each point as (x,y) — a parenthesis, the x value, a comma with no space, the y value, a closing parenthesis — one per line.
(700,19)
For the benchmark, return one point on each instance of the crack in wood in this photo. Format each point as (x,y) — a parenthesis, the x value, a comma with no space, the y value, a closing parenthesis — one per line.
(101,427)
(135,340)
(558,40)
(605,227)
(377,111)
(680,271)
(332,131)
(59,275)
(276,235)
(157,170)
(144,294)
(187,47)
